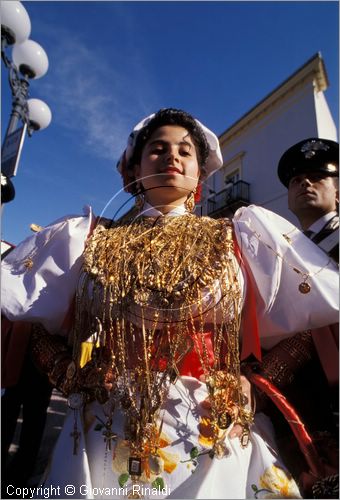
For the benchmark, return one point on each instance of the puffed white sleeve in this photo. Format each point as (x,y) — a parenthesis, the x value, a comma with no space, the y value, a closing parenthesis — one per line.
(280,258)
(39,277)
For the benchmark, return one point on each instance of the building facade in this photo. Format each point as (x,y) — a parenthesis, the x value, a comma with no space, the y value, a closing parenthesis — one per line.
(252,146)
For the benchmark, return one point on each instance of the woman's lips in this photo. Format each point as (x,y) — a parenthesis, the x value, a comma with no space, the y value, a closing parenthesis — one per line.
(171,170)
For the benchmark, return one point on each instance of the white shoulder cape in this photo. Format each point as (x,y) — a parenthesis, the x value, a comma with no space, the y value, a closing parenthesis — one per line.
(44,292)
(279,265)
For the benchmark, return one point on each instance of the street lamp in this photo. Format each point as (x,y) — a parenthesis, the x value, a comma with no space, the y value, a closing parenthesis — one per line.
(29,61)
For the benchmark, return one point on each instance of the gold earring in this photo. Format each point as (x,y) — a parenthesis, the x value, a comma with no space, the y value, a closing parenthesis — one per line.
(139,198)
(190,201)
(139,201)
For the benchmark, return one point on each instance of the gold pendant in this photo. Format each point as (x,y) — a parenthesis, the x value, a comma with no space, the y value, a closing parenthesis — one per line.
(135,466)
(304,287)
(245,437)
(224,420)
(221,450)
(28,263)
(286,237)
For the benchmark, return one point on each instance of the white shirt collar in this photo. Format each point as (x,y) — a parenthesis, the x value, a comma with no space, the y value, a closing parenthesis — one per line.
(319,224)
(149,211)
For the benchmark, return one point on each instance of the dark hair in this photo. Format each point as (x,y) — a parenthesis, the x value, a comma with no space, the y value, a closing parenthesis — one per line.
(170,116)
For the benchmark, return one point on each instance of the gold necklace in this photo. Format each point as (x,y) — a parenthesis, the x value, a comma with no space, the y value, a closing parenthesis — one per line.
(303,287)
(27,261)
(287,237)
(145,289)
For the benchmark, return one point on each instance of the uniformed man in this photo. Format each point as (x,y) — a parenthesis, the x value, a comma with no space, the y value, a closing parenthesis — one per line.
(308,361)
(310,171)
(304,367)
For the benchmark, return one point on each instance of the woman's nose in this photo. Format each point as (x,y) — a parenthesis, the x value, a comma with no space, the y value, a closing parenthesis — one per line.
(172,155)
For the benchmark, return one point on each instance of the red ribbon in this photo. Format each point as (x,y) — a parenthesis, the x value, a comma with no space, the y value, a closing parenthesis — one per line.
(305,441)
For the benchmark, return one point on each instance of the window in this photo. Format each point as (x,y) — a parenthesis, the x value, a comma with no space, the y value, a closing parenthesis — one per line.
(232,170)
(232,178)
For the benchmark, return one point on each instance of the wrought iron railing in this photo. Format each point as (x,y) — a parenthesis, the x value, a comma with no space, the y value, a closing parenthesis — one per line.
(230,197)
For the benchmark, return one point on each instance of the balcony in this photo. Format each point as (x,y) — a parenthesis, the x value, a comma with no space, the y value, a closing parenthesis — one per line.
(226,202)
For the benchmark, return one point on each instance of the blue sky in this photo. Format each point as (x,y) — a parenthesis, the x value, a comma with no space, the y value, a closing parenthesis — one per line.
(112,63)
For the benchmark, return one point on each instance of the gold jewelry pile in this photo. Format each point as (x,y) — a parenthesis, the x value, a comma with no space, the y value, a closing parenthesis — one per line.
(149,288)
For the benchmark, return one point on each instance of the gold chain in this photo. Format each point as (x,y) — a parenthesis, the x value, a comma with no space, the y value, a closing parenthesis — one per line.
(304,287)
(150,284)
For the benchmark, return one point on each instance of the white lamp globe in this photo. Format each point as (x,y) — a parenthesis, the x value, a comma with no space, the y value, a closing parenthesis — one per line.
(30,59)
(39,114)
(15,22)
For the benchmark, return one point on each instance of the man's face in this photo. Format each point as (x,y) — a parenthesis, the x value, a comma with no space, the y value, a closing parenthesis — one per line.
(312,191)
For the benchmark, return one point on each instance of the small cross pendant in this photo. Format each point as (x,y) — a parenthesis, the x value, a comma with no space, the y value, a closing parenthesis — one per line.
(76,435)
(108,436)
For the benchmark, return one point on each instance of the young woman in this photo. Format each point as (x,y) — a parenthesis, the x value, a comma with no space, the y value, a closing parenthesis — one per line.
(163,301)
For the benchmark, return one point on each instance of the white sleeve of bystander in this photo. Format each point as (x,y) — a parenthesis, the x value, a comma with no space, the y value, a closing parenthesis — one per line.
(296,284)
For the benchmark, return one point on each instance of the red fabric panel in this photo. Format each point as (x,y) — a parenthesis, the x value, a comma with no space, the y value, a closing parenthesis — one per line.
(191,364)
(249,323)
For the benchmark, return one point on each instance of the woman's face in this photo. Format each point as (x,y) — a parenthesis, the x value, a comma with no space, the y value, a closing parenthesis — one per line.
(169,169)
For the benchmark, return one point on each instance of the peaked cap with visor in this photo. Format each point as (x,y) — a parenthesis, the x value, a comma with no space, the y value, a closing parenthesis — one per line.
(313,155)
(213,163)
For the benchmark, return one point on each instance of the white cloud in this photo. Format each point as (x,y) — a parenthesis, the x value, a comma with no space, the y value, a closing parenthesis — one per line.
(93,94)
